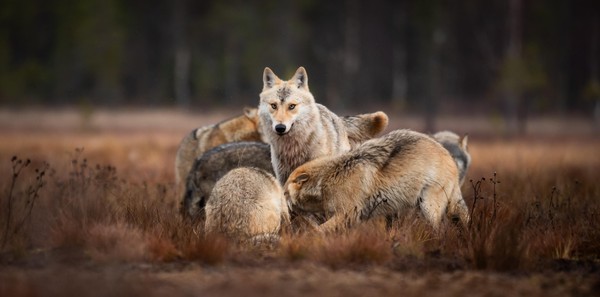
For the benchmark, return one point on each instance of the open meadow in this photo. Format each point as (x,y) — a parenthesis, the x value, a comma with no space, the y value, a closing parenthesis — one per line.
(88,207)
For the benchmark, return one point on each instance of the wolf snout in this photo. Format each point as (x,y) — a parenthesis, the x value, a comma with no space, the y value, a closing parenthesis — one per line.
(280,129)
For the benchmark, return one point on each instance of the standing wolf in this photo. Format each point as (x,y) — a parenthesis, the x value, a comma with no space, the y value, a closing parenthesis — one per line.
(195,143)
(297,128)
(457,147)
(360,128)
(381,177)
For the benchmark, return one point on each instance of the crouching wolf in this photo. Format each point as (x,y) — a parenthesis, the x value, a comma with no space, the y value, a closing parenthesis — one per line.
(213,165)
(297,128)
(198,141)
(381,177)
(247,204)
(457,147)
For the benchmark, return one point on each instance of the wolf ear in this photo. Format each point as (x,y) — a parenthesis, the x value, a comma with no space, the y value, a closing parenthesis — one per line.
(250,112)
(300,179)
(269,78)
(380,122)
(464,141)
(301,78)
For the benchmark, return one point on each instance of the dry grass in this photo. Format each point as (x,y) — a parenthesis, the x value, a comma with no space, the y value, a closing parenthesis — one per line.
(534,207)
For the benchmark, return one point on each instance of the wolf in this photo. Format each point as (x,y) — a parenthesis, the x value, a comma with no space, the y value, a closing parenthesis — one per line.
(247,204)
(213,165)
(240,128)
(216,162)
(383,176)
(297,128)
(246,127)
(362,127)
(458,149)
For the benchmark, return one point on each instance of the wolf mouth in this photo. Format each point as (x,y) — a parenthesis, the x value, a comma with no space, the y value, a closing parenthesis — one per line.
(285,132)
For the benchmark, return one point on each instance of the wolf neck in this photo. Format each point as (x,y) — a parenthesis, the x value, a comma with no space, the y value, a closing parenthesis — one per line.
(299,146)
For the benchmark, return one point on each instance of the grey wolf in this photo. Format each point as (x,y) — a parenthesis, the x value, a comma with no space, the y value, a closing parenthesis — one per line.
(246,204)
(458,149)
(297,128)
(383,176)
(214,164)
(240,128)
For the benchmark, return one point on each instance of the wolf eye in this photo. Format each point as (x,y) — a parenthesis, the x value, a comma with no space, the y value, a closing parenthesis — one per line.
(274,106)
(292,106)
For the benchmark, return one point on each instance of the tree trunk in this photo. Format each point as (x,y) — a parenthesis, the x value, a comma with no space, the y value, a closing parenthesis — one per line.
(232,65)
(512,96)
(181,75)
(351,57)
(399,52)
(594,70)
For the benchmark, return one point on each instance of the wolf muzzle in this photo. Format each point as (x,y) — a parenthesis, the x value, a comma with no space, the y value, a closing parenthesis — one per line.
(280,129)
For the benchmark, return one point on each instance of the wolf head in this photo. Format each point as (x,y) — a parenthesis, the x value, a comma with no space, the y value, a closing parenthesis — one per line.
(285,104)
(304,190)
(362,127)
(458,148)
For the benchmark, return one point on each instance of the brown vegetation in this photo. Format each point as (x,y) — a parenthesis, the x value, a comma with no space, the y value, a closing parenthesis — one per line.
(109,211)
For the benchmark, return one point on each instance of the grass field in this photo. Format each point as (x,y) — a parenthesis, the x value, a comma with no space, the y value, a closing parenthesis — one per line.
(88,208)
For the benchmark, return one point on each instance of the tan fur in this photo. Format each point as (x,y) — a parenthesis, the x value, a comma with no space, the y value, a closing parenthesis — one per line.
(458,149)
(363,127)
(383,176)
(214,164)
(246,204)
(308,130)
(246,128)
(241,128)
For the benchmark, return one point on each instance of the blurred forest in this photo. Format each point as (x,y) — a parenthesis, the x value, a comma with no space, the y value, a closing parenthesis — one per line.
(511,57)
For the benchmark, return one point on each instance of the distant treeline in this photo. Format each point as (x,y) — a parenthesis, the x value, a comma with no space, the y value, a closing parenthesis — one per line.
(515,55)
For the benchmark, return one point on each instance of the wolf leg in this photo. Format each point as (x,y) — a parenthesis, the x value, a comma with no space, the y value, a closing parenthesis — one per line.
(457,208)
(433,204)
(336,223)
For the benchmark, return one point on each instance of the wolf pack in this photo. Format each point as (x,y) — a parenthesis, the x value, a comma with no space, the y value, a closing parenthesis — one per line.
(291,161)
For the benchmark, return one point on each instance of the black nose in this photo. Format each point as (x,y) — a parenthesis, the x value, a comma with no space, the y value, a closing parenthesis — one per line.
(280,128)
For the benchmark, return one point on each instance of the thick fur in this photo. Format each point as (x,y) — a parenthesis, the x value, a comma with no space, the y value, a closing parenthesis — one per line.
(241,128)
(360,128)
(458,149)
(383,176)
(247,204)
(363,127)
(214,164)
(307,130)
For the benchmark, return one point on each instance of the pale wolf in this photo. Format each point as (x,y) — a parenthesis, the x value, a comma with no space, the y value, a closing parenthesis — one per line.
(457,147)
(198,141)
(246,204)
(245,128)
(297,128)
(214,164)
(383,176)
